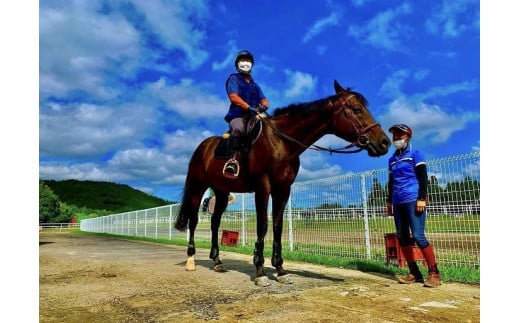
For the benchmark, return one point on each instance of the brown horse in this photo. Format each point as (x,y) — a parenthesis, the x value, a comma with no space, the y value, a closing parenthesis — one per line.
(271,167)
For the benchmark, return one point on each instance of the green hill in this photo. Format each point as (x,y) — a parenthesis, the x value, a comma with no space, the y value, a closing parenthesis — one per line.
(103,195)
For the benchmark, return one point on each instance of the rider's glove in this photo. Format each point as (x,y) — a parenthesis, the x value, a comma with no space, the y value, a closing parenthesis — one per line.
(261,108)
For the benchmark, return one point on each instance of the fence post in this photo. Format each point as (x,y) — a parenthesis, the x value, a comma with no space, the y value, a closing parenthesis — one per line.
(136,223)
(156,222)
(170,221)
(290,219)
(145,222)
(244,237)
(365,215)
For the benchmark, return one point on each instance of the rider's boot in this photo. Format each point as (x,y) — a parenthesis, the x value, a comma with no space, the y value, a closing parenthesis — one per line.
(434,277)
(232,167)
(415,275)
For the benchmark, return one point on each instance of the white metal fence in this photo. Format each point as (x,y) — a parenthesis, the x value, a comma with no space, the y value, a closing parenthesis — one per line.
(342,216)
(57,226)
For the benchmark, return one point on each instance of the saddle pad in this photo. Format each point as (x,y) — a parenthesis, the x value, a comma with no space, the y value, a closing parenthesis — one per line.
(222,150)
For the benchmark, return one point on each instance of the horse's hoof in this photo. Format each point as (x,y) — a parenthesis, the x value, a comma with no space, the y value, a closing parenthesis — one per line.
(262,281)
(285,279)
(190,264)
(220,268)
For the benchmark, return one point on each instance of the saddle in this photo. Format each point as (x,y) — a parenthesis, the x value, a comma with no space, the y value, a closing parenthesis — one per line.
(253,129)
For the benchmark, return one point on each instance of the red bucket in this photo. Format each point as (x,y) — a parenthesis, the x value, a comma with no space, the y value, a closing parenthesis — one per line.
(229,238)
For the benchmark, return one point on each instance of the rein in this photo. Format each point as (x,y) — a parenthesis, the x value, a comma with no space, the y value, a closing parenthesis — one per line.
(360,142)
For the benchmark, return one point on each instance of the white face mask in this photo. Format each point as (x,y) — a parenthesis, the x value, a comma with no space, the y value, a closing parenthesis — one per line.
(244,66)
(399,144)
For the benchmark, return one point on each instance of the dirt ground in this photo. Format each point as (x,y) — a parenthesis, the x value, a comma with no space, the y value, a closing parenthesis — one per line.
(99,279)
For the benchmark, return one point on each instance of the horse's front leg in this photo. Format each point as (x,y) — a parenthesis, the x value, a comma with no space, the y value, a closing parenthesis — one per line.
(280,198)
(261,199)
(220,206)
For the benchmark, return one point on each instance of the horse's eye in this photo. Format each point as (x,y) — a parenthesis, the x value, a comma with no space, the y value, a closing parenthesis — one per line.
(357,111)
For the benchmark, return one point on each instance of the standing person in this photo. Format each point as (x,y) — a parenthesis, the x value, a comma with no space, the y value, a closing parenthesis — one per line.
(408,194)
(246,96)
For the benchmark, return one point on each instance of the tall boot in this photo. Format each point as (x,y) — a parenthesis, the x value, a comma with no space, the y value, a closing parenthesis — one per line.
(415,275)
(232,167)
(434,277)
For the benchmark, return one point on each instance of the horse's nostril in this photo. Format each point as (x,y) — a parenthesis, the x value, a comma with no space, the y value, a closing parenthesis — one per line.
(385,142)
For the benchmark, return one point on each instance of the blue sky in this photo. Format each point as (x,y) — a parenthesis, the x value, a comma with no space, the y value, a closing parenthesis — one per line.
(127,89)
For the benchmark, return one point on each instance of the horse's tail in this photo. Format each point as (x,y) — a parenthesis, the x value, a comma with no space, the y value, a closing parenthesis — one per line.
(193,190)
(183,217)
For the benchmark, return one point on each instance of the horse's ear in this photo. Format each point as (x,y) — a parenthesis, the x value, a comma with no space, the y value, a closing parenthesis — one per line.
(339,89)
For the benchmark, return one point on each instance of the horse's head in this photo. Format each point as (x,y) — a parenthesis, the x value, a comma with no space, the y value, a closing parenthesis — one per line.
(353,122)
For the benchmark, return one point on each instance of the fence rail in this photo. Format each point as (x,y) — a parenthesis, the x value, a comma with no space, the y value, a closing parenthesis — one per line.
(342,216)
(60,226)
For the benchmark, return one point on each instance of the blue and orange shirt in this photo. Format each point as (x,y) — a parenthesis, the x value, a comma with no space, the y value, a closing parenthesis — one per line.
(243,92)
(402,167)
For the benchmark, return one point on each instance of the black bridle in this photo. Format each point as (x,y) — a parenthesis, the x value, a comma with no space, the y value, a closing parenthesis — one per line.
(361,141)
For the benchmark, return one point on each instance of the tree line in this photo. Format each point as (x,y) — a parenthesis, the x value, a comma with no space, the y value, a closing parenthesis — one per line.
(63,201)
(458,194)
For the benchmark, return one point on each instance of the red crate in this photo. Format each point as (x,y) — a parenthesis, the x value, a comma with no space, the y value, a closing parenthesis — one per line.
(229,238)
(394,252)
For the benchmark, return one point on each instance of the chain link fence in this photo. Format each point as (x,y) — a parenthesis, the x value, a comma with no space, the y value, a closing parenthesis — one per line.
(342,216)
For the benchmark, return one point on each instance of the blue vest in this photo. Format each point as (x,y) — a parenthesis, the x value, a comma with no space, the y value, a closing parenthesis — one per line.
(249,92)
(402,167)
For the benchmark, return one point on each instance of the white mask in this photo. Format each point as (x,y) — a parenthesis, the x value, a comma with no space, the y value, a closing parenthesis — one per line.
(398,144)
(244,66)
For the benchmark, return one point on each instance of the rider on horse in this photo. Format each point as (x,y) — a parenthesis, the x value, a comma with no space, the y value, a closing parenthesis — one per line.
(246,96)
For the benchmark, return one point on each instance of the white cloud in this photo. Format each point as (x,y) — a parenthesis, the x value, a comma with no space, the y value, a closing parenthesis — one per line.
(384,30)
(149,163)
(300,84)
(320,25)
(173,24)
(429,122)
(80,42)
(185,141)
(126,165)
(421,74)
(82,171)
(359,3)
(313,165)
(91,130)
(228,61)
(391,87)
(188,99)
(440,91)
(78,45)
(454,18)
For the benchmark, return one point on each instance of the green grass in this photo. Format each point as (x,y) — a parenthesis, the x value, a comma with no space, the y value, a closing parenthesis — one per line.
(449,274)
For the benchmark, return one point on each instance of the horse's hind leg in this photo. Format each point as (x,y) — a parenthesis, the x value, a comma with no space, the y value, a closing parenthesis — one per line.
(188,217)
(221,202)
(190,262)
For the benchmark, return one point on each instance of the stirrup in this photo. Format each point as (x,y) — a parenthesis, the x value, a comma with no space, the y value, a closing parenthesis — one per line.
(231,168)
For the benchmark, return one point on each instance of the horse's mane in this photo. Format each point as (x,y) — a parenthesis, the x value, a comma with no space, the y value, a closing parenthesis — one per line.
(307,107)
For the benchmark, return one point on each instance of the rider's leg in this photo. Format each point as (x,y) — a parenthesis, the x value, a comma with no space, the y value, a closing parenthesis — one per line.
(237,128)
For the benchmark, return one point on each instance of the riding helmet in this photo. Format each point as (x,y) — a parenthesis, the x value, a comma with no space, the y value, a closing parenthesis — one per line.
(244,54)
(401,127)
